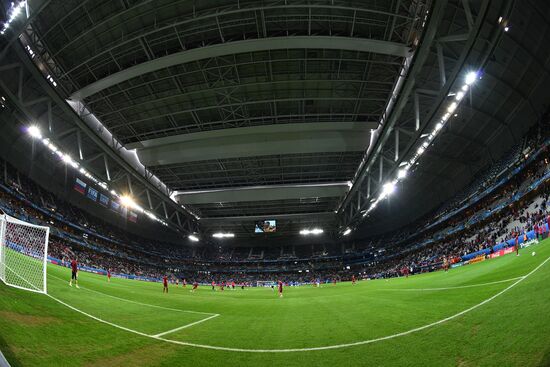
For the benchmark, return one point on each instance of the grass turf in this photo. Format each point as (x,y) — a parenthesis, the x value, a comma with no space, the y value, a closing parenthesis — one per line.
(511,330)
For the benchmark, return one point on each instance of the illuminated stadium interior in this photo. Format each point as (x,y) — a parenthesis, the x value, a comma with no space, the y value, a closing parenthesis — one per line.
(274,182)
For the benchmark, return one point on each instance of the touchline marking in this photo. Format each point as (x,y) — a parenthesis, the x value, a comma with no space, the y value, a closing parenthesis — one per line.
(184,326)
(141,303)
(449,288)
(337,346)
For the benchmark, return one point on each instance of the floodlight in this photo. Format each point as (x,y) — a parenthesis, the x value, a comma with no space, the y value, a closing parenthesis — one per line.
(471,78)
(315,231)
(223,235)
(402,173)
(347,231)
(193,238)
(127,201)
(388,188)
(34,131)
(67,158)
(452,107)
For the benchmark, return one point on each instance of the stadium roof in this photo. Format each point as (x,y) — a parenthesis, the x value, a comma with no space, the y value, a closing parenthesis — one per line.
(295,110)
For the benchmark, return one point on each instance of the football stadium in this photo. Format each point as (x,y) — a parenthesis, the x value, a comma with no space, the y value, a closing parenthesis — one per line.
(274,183)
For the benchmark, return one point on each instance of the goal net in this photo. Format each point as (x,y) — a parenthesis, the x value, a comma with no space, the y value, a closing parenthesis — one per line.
(23,254)
(265,283)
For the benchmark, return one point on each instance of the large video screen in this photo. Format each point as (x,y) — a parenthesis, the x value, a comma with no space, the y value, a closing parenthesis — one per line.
(266,226)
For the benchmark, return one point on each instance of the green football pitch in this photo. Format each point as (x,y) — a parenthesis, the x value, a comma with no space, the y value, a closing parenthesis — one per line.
(494,313)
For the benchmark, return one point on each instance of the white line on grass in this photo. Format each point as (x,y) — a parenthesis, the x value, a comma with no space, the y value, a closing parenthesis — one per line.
(184,326)
(449,288)
(141,303)
(337,346)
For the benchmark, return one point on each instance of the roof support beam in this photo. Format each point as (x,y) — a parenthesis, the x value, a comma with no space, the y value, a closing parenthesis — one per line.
(255,141)
(407,89)
(252,45)
(239,219)
(477,35)
(260,193)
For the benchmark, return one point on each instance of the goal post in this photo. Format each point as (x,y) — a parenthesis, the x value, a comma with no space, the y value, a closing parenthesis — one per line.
(23,254)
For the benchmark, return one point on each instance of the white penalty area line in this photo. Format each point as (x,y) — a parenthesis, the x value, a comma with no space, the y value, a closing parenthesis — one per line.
(328,347)
(141,303)
(184,326)
(449,288)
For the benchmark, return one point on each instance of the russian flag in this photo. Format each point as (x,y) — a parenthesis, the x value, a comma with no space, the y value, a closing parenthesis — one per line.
(80,186)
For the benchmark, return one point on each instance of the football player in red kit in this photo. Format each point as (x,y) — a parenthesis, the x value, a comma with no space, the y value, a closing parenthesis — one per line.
(109,275)
(74,273)
(165,284)
(195,286)
(280,287)
(353,279)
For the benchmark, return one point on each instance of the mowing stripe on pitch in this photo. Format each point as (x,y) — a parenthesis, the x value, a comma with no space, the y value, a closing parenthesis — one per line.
(141,303)
(123,299)
(449,288)
(290,350)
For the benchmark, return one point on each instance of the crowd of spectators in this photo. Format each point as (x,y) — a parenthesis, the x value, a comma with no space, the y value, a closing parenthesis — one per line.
(531,212)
